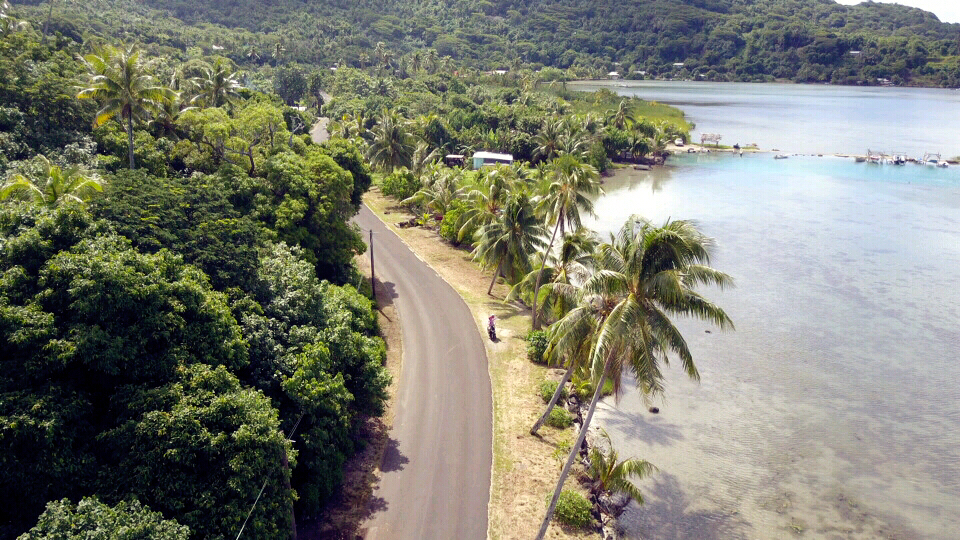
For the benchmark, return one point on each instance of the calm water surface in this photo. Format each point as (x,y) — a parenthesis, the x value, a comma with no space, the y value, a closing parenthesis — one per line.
(811,119)
(833,410)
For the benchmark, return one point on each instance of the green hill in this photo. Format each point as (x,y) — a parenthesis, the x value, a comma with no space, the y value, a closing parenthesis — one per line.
(751,40)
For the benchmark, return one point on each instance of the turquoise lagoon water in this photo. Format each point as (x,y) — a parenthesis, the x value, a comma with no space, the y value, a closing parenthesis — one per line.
(833,410)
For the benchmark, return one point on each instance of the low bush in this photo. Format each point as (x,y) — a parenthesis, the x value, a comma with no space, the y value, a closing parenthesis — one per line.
(584,389)
(559,418)
(573,509)
(547,389)
(536,346)
(400,184)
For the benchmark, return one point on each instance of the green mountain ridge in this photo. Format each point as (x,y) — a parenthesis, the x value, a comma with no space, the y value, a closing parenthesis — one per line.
(743,40)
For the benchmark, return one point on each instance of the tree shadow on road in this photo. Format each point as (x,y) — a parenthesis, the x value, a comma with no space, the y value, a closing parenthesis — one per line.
(393,460)
(386,294)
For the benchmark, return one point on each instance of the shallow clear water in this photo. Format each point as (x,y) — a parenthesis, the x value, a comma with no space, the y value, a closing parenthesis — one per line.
(833,410)
(811,119)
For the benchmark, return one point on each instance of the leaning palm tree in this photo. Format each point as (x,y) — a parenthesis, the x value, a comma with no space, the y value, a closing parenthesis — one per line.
(566,269)
(646,273)
(571,182)
(622,117)
(118,80)
(53,186)
(392,144)
(507,243)
(611,476)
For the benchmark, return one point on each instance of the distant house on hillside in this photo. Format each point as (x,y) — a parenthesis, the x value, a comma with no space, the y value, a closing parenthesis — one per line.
(482,159)
(613,75)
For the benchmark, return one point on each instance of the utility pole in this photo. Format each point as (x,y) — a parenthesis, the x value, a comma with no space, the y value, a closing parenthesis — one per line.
(373,287)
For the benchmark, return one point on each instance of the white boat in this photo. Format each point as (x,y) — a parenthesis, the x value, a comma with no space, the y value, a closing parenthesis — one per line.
(780,156)
(932,160)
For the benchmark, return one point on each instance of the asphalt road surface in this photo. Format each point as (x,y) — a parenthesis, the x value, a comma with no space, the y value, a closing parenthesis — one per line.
(436,468)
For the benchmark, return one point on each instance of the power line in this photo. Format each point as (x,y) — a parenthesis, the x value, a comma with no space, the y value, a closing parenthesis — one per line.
(264,486)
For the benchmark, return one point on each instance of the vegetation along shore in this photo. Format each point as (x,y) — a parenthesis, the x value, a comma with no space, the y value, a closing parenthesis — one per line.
(190,346)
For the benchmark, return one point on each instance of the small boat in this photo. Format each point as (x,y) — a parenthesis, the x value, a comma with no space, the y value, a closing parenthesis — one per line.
(931,159)
(780,156)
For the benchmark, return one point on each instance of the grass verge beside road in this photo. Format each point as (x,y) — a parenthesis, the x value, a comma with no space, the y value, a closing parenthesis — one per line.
(525,468)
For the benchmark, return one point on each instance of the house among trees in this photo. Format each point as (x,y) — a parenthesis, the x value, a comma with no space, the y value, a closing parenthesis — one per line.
(482,159)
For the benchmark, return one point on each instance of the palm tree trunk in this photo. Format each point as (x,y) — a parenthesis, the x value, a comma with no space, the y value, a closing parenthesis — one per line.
(130,139)
(574,451)
(46,23)
(496,274)
(536,288)
(553,401)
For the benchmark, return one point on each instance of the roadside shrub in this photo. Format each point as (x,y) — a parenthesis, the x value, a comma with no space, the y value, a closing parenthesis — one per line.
(450,226)
(536,346)
(573,509)
(547,389)
(559,418)
(400,184)
(584,389)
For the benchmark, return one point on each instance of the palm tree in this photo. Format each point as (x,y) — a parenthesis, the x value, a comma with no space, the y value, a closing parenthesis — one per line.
(486,193)
(53,187)
(623,116)
(548,140)
(645,274)
(610,476)
(570,183)
(117,78)
(216,86)
(566,270)
(507,243)
(441,188)
(392,144)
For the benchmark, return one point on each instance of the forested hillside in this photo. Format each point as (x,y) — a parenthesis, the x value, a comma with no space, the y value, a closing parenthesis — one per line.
(744,40)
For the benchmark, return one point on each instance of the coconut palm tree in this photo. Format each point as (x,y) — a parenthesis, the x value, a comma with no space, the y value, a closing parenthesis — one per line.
(565,271)
(216,86)
(486,194)
(118,80)
(392,144)
(571,182)
(646,273)
(507,243)
(611,476)
(53,186)
(623,116)
(441,187)
(548,140)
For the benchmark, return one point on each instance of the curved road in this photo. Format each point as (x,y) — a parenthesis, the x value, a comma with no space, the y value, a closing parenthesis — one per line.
(435,479)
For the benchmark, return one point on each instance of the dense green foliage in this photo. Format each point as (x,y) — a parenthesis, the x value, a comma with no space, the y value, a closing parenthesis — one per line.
(176,336)
(803,40)
(537,345)
(90,519)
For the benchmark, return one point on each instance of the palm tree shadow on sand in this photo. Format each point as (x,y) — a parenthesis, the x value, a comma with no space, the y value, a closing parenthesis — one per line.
(666,515)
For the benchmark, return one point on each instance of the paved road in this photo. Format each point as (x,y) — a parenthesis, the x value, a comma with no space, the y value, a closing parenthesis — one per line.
(436,469)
